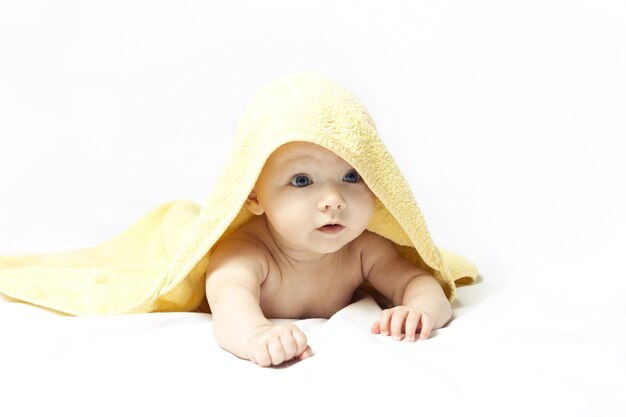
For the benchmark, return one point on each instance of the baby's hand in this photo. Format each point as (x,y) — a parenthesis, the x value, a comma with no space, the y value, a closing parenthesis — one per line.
(274,345)
(403,320)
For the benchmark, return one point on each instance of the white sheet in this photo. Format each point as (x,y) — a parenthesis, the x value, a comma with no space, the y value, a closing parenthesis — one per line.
(498,357)
(506,119)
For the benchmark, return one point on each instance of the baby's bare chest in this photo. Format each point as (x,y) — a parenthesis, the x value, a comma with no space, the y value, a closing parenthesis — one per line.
(319,293)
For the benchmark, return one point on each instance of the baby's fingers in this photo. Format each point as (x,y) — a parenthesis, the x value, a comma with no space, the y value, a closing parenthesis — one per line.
(290,345)
(260,355)
(403,320)
(397,323)
(376,327)
(303,350)
(412,321)
(276,351)
(383,322)
(427,326)
(308,352)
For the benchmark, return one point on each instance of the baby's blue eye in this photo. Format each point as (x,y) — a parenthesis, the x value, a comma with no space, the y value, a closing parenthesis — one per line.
(352,176)
(301,181)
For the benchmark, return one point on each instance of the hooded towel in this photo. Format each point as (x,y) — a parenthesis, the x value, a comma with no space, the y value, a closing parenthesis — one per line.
(159,264)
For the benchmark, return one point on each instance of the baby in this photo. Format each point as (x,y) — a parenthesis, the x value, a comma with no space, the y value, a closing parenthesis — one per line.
(304,254)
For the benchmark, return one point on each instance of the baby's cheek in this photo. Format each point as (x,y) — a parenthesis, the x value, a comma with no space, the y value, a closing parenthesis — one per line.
(367,207)
(290,222)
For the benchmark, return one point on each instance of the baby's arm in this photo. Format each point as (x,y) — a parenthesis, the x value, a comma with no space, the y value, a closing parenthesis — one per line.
(421,304)
(233,289)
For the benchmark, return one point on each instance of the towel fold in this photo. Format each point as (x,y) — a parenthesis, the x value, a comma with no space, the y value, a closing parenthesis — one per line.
(159,263)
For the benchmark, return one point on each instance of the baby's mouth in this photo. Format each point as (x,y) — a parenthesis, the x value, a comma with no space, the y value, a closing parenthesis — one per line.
(331,228)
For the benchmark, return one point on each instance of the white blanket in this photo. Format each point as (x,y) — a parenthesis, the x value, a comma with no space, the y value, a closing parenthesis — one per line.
(498,356)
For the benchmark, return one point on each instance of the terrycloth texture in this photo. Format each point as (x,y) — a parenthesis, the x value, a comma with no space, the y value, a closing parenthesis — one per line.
(159,263)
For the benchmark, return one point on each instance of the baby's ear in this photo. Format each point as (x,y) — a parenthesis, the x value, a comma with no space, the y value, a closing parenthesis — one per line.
(253,205)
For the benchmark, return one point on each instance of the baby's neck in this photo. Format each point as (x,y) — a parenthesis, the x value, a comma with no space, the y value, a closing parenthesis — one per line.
(302,258)
(306,260)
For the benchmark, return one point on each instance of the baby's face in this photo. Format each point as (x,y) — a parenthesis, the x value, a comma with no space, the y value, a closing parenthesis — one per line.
(314,200)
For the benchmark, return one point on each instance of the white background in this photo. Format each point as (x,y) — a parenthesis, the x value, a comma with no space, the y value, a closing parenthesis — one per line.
(507,118)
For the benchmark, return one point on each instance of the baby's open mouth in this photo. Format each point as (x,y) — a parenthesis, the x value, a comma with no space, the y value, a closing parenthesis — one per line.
(331,228)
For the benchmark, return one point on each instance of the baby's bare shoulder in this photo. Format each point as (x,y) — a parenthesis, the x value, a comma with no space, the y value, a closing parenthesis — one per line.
(373,243)
(243,249)
(247,238)
(375,249)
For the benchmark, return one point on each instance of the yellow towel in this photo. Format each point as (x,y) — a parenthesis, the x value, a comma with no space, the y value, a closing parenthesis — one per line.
(159,263)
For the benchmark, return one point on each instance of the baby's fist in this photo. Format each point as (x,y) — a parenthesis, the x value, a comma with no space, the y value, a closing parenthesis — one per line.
(274,345)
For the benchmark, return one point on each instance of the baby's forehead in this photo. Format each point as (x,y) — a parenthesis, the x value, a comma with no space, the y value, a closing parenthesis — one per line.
(300,152)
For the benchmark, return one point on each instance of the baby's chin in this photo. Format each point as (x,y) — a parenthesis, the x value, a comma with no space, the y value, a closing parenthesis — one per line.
(326,246)
(317,248)
(323,242)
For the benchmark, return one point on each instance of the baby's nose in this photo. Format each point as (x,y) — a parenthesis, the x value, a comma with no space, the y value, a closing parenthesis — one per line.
(331,200)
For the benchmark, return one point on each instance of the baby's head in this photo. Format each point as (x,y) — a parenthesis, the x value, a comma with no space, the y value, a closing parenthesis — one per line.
(313,200)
